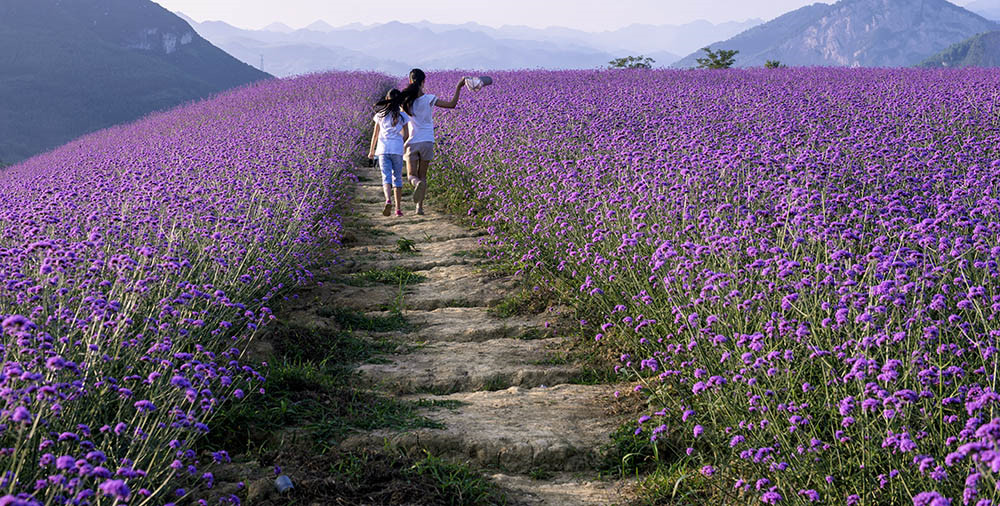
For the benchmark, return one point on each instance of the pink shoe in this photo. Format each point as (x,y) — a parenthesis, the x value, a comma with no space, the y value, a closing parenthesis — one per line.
(399,212)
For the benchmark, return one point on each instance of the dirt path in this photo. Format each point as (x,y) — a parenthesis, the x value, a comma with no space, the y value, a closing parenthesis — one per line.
(505,407)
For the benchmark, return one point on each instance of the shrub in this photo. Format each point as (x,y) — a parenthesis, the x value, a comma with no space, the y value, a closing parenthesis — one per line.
(632,62)
(721,59)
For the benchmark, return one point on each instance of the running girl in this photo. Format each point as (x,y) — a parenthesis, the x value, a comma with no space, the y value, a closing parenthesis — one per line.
(419,148)
(387,144)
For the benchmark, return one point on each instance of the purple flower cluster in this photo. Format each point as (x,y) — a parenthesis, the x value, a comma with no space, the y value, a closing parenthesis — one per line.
(136,264)
(798,267)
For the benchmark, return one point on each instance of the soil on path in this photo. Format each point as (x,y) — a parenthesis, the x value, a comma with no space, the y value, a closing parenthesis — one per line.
(503,405)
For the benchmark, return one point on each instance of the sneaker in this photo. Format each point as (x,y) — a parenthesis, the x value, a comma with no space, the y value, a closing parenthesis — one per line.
(399,212)
(387,209)
(420,211)
(419,190)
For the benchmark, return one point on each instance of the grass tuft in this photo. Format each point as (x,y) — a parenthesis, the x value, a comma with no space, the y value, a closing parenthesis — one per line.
(521,303)
(394,276)
(404,245)
(351,320)
(456,482)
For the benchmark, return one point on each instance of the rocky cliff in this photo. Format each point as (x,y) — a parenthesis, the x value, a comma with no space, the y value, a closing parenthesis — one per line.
(855,33)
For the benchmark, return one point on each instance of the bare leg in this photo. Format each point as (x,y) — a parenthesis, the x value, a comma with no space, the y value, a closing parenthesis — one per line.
(398,194)
(422,170)
(387,189)
(422,177)
(412,167)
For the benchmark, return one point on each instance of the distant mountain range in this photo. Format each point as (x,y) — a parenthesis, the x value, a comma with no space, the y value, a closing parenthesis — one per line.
(388,47)
(72,67)
(982,50)
(851,33)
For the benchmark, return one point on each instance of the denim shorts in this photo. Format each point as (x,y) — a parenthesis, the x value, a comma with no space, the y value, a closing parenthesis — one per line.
(392,169)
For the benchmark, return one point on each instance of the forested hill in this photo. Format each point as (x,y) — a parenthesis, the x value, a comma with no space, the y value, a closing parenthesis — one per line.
(69,67)
(981,50)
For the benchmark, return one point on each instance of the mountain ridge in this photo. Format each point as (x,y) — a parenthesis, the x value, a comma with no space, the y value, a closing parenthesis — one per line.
(870,33)
(319,46)
(75,67)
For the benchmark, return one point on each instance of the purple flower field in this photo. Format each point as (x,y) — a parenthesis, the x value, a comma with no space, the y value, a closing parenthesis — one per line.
(798,267)
(136,264)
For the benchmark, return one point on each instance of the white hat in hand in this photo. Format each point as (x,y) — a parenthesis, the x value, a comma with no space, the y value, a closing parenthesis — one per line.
(477,83)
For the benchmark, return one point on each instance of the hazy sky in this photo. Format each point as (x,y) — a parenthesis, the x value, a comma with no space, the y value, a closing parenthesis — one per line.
(585,14)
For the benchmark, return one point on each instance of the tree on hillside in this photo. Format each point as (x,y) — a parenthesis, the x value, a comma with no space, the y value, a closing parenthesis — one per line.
(774,64)
(721,59)
(632,62)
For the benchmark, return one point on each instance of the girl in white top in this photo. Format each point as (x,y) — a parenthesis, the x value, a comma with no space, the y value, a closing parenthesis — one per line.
(390,133)
(419,148)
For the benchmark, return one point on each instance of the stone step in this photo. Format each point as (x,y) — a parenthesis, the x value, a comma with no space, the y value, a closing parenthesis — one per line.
(449,286)
(466,324)
(391,229)
(462,285)
(516,430)
(423,231)
(428,255)
(565,489)
(448,367)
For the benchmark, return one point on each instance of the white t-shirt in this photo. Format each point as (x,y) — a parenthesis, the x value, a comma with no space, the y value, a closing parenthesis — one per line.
(422,122)
(390,137)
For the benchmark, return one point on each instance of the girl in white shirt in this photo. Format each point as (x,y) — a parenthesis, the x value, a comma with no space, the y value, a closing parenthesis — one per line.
(419,148)
(387,144)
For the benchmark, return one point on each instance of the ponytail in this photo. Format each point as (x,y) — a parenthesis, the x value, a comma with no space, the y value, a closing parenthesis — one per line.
(412,92)
(391,105)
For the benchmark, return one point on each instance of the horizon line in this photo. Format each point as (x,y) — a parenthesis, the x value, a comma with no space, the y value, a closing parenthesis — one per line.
(495,27)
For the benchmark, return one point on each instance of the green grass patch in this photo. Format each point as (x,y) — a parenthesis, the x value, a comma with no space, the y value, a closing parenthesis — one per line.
(521,303)
(439,404)
(438,390)
(594,375)
(666,475)
(629,454)
(298,343)
(351,320)
(394,276)
(494,383)
(459,303)
(404,245)
(363,229)
(456,483)
(678,484)
(539,474)
(309,385)
(532,334)
(390,478)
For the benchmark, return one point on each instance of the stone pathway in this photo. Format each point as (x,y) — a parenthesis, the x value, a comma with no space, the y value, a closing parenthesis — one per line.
(508,411)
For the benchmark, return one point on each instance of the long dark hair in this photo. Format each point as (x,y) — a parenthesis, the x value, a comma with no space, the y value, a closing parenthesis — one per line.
(412,92)
(391,105)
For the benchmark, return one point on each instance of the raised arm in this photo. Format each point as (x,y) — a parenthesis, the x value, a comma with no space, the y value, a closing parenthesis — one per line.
(454,100)
(371,149)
